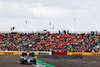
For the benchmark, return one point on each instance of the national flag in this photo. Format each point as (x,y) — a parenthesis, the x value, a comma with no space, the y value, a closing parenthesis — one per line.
(50,23)
(12,28)
(26,21)
(74,19)
(53,27)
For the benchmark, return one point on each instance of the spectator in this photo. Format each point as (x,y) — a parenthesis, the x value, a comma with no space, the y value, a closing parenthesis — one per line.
(72,42)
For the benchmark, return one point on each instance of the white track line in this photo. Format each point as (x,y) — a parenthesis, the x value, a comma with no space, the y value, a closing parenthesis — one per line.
(38,65)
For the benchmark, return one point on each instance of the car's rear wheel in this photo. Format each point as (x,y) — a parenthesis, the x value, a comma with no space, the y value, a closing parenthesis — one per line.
(34,61)
(21,61)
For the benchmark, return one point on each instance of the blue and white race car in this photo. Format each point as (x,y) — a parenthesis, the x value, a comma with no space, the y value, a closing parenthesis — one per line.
(27,58)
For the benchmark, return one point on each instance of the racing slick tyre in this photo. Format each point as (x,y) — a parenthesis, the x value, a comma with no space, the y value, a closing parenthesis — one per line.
(35,61)
(21,61)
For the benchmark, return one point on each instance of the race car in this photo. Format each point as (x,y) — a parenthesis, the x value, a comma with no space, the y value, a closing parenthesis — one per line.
(27,58)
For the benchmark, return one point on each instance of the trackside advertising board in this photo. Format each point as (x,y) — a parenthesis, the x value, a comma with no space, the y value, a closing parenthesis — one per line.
(10,53)
(20,53)
(60,53)
(49,53)
(83,53)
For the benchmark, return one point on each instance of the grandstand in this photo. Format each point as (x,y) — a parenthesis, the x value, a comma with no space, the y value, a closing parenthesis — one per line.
(46,41)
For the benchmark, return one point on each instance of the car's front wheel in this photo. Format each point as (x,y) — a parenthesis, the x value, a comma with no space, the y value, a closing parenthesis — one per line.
(35,61)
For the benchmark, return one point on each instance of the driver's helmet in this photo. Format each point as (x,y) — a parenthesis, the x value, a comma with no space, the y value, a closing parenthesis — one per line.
(28,53)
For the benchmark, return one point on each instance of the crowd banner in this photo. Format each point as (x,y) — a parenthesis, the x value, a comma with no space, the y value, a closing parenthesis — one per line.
(83,53)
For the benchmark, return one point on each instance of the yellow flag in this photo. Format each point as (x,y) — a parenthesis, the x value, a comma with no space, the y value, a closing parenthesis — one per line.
(11,29)
(74,19)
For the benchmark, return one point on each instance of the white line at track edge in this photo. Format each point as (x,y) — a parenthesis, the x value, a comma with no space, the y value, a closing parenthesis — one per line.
(38,65)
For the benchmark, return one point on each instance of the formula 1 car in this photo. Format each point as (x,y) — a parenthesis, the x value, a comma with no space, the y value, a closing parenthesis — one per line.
(27,58)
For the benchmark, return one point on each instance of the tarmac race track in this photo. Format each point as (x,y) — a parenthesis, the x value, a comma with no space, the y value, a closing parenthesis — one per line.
(85,61)
(11,61)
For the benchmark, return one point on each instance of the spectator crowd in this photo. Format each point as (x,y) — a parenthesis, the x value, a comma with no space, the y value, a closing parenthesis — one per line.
(61,41)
